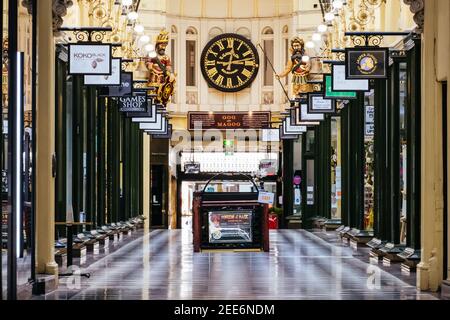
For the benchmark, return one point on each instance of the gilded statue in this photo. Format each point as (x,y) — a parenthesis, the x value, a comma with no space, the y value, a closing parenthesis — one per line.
(298,67)
(160,70)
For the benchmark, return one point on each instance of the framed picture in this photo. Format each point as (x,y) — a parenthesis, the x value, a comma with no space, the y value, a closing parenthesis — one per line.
(304,115)
(284,136)
(328,92)
(289,129)
(295,119)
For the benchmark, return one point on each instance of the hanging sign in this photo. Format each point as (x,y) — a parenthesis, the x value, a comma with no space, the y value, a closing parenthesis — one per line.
(136,103)
(296,121)
(340,83)
(330,94)
(125,88)
(285,136)
(367,63)
(270,135)
(163,130)
(158,125)
(166,135)
(107,80)
(288,129)
(317,104)
(306,116)
(266,197)
(90,59)
(151,111)
(228,120)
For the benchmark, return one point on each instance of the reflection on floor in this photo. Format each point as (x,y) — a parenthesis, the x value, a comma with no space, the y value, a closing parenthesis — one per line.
(23,270)
(300,265)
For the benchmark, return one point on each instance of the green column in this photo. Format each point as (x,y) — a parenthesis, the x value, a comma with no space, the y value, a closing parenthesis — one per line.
(91,190)
(126,147)
(323,171)
(345,160)
(79,108)
(101,162)
(381,194)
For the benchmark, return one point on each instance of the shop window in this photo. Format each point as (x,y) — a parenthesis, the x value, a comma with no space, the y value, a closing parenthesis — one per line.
(403,149)
(369,157)
(336,171)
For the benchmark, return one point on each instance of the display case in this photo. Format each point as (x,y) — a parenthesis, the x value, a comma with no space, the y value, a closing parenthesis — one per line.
(229,220)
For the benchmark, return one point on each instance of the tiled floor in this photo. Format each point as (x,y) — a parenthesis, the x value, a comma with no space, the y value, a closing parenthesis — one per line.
(300,265)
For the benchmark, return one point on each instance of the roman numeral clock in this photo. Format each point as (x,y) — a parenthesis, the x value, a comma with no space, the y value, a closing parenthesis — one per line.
(229,62)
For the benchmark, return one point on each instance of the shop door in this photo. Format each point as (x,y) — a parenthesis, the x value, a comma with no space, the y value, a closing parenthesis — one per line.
(157,196)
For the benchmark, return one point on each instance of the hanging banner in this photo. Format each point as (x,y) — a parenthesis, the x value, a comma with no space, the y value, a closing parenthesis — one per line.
(330,94)
(367,63)
(112,80)
(340,83)
(90,59)
(125,88)
(317,104)
(136,103)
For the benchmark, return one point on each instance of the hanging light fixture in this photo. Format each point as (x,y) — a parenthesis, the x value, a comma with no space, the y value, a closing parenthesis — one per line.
(310,45)
(149,47)
(329,16)
(139,28)
(338,4)
(132,16)
(317,37)
(306,59)
(322,28)
(127,3)
(144,39)
(152,54)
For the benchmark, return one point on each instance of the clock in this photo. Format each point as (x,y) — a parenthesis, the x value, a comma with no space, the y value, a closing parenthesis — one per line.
(229,62)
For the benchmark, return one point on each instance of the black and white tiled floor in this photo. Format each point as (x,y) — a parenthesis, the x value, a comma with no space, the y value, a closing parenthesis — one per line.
(300,266)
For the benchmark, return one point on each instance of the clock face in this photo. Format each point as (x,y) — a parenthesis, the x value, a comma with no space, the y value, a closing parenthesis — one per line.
(229,62)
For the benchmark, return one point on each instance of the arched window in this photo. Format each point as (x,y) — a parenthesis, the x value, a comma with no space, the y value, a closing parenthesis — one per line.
(267,40)
(215,31)
(191,52)
(245,32)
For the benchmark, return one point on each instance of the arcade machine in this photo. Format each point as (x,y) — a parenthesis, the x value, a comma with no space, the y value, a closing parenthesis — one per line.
(230,220)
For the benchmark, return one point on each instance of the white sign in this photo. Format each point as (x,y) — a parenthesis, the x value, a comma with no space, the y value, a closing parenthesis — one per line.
(105,80)
(91,59)
(266,197)
(318,103)
(270,135)
(297,196)
(340,83)
(306,116)
(289,129)
(370,121)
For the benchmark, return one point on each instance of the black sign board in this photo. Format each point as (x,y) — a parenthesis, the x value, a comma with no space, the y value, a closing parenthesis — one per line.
(124,90)
(318,104)
(229,120)
(367,63)
(135,103)
(295,119)
(167,135)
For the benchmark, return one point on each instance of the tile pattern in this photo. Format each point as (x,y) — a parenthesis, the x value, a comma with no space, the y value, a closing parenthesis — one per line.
(300,265)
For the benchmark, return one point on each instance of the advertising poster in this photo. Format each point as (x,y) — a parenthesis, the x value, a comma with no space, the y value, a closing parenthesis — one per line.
(90,59)
(230,227)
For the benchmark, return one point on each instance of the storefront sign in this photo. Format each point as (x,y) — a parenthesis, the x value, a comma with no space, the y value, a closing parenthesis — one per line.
(270,135)
(285,136)
(340,83)
(317,104)
(367,63)
(330,94)
(136,103)
(230,227)
(163,131)
(113,80)
(228,120)
(166,135)
(90,59)
(266,197)
(153,126)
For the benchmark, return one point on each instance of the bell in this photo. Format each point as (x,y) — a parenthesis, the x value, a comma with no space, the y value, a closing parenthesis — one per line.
(141,72)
